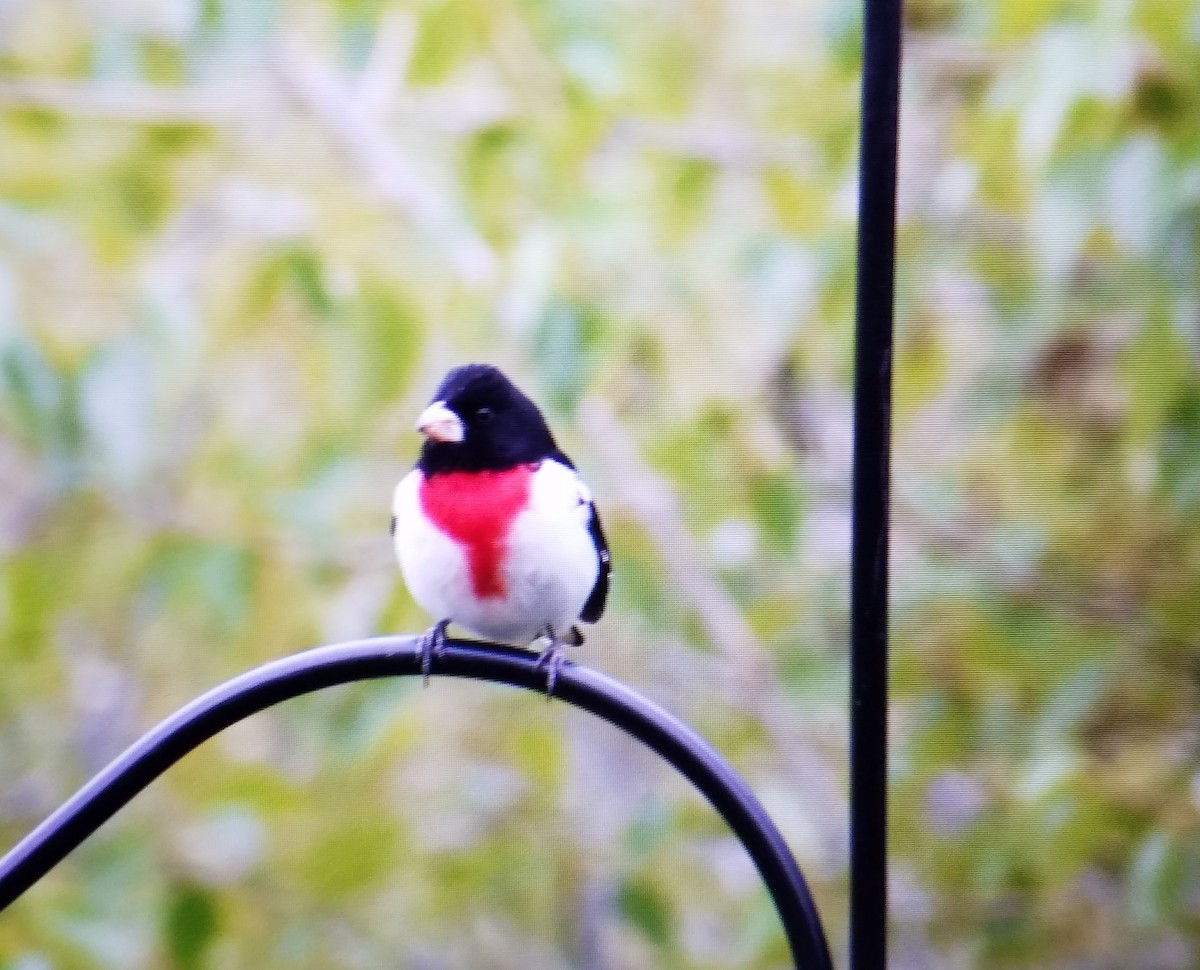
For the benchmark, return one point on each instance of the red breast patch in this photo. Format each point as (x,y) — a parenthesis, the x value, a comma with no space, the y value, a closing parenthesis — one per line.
(476,510)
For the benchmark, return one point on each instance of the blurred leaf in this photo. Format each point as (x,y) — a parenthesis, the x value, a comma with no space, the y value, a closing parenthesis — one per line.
(1179,449)
(363,717)
(649,829)
(349,855)
(1155,366)
(564,348)
(33,394)
(687,189)
(922,363)
(162,63)
(390,338)
(116,410)
(1148,878)
(303,268)
(799,206)
(32,598)
(445,37)
(190,925)
(778,507)
(140,191)
(645,908)
(183,570)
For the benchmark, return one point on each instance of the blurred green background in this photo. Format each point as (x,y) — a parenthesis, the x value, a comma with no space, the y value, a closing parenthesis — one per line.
(239,244)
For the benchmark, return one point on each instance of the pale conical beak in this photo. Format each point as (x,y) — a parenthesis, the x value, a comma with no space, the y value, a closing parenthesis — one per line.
(438,423)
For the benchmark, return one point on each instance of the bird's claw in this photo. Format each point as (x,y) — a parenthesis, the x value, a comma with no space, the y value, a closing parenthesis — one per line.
(432,643)
(553,659)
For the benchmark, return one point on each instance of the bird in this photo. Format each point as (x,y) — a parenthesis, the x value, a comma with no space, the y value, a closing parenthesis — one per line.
(494,529)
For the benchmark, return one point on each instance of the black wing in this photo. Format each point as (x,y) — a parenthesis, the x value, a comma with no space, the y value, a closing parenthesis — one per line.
(594,606)
(593,609)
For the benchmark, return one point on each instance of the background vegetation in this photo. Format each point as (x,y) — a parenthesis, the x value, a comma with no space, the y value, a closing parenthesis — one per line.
(239,243)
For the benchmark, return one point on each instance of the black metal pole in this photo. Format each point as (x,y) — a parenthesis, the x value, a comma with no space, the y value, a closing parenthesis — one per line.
(312,670)
(869,498)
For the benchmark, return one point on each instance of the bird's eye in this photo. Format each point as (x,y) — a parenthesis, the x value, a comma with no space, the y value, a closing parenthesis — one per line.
(484,415)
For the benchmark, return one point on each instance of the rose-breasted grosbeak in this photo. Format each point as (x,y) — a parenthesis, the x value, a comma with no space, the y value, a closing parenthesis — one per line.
(494,529)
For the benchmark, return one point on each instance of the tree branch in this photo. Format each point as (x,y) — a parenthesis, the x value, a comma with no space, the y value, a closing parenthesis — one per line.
(353,126)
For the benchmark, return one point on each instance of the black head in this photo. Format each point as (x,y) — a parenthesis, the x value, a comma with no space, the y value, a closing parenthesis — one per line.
(479,421)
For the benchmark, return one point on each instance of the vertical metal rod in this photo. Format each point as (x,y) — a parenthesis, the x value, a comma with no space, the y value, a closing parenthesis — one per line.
(872,456)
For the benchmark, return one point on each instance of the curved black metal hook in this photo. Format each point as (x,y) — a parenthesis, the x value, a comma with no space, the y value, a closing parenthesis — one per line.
(302,673)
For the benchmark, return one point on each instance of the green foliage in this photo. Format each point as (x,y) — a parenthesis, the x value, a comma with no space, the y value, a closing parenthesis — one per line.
(645,909)
(564,347)
(240,241)
(190,926)
(447,36)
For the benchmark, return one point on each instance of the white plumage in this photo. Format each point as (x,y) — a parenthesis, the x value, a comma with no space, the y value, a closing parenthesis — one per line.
(549,568)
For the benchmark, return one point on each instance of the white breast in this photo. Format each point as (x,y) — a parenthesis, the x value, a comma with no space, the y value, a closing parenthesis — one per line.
(549,571)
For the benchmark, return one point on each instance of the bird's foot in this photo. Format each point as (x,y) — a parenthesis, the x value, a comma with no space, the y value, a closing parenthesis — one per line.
(553,658)
(431,644)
